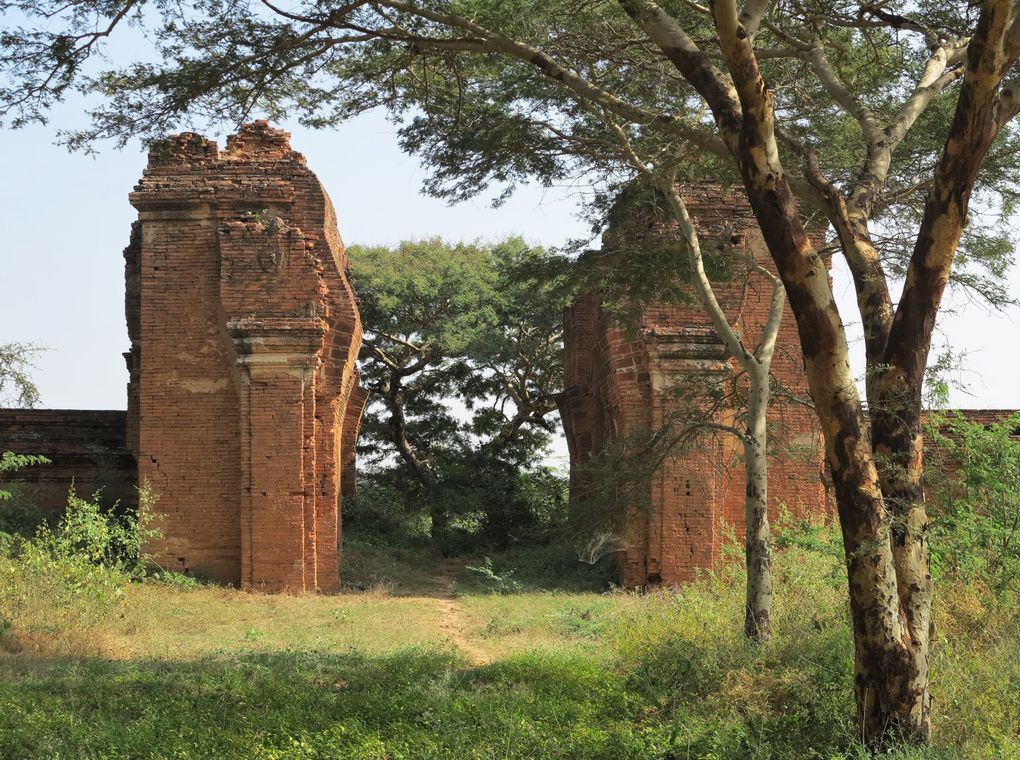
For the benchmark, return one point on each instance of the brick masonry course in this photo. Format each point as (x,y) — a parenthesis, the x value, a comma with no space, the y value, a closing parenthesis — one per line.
(243,400)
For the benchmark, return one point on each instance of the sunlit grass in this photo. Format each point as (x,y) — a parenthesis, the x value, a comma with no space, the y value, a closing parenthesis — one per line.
(422,665)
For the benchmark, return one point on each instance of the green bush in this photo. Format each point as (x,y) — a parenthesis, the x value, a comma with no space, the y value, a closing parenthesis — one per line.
(62,582)
(18,515)
(104,536)
(491,505)
(492,581)
(553,565)
(10,462)
(387,506)
(974,479)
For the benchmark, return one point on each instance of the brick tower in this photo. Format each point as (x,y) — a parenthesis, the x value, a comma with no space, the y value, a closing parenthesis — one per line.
(243,401)
(620,381)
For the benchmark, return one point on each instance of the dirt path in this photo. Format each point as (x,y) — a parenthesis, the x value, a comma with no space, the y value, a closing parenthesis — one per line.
(453,621)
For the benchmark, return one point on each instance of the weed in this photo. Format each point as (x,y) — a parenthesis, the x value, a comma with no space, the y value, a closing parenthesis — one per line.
(492,581)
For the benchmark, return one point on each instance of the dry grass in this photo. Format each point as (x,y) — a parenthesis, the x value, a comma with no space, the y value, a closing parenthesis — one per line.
(176,623)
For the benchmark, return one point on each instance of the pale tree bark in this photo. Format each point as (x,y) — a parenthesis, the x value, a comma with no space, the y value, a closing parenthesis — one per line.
(758,540)
(891,672)
(754,433)
(883,518)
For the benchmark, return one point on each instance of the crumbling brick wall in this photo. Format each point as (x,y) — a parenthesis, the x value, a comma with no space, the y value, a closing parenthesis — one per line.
(243,399)
(619,382)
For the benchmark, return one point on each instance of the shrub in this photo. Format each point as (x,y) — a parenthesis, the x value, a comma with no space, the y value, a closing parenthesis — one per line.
(99,535)
(976,501)
(18,515)
(58,585)
(493,581)
(9,462)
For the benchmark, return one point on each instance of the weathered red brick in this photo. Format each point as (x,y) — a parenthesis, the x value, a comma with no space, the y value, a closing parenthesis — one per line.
(617,387)
(243,401)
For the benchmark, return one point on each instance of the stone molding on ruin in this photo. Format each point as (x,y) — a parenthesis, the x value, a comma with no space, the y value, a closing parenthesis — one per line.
(243,399)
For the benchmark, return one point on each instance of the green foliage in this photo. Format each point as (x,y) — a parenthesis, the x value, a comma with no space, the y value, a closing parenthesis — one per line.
(18,515)
(487,121)
(387,506)
(493,581)
(491,504)
(66,579)
(545,566)
(104,536)
(462,353)
(16,385)
(11,462)
(974,477)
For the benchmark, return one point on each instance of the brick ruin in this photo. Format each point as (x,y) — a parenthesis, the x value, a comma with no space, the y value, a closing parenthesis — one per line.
(619,386)
(243,401)
(244,404)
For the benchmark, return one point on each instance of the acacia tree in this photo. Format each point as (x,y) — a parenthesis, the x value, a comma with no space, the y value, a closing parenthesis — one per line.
(16,384)
(870,113)
(461,323)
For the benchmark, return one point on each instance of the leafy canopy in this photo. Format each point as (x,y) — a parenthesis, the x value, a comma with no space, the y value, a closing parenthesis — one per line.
(462,354)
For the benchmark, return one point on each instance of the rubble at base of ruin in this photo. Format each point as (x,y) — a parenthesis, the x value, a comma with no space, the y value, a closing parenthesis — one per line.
(243,401)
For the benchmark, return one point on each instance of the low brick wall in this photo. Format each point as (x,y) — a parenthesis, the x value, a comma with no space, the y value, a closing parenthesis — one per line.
(87,449)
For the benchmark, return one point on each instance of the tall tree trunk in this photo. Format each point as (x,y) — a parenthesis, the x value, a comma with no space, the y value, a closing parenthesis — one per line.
(898,445)
(890,668)
(891,664)
(757,542)
(422,468)
(899,374)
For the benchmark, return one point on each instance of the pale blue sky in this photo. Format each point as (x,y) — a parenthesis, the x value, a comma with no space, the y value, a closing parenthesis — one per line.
(67,220)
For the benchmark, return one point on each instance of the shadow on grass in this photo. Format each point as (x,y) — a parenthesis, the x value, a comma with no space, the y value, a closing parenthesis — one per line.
(416,703)
(412,704)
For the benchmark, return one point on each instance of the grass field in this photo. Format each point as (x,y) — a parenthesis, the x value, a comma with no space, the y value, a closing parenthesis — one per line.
(419,660)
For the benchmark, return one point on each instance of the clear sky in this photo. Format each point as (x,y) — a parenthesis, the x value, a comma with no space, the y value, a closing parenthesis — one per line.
(66,221)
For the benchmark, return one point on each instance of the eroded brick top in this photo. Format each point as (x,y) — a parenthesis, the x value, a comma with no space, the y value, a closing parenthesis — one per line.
(244,402)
